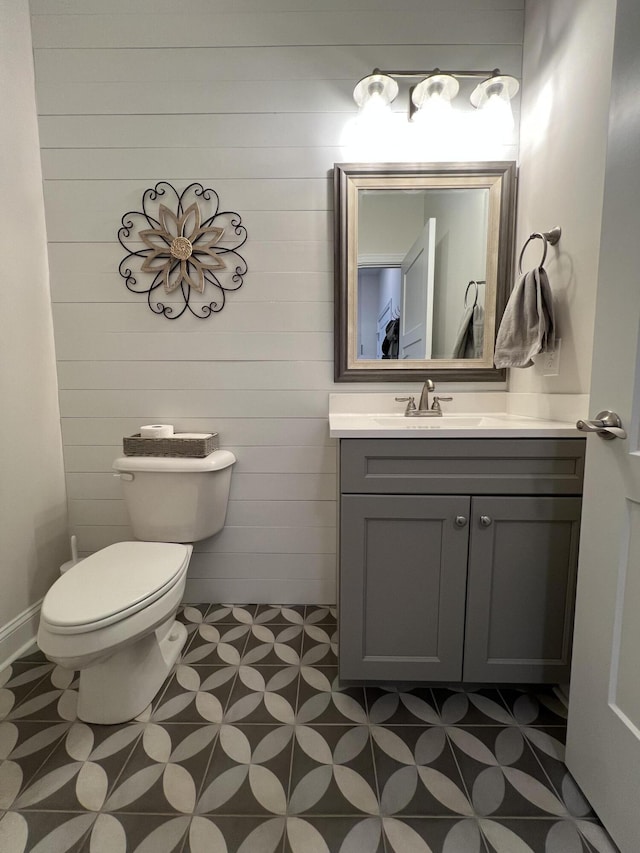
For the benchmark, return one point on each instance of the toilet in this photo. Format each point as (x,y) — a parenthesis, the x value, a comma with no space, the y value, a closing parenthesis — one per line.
(112,614)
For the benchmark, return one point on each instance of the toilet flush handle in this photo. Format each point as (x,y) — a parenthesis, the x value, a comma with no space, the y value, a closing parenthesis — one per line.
(125,475)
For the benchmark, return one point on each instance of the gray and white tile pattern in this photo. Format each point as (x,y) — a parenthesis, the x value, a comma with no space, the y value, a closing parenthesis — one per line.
(252,746)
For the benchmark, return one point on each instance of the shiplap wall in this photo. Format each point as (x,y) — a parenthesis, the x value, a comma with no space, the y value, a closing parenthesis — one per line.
(250,97)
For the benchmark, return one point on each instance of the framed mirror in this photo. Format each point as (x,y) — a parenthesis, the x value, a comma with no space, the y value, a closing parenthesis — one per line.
(423,257)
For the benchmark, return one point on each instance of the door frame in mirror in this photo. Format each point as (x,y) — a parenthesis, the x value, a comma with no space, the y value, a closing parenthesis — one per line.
(499,177)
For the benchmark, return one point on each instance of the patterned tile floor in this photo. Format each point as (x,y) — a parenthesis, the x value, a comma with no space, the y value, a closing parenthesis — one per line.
(252,747)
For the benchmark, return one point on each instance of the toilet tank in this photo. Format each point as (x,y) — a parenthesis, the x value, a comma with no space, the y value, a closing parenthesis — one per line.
(172,499)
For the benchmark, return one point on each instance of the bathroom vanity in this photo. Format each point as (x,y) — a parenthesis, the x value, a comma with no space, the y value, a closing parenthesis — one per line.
(458,547)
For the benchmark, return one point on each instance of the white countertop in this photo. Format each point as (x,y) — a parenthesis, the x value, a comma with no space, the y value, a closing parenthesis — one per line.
(380,416)
(463,425)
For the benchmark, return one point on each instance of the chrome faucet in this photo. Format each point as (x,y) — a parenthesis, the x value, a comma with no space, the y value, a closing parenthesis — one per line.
(423,405)
(423,410)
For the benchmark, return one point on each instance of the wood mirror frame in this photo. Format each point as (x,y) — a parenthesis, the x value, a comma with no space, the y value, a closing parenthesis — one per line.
(499,178)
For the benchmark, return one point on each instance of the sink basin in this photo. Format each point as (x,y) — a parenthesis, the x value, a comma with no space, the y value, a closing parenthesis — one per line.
(445,422)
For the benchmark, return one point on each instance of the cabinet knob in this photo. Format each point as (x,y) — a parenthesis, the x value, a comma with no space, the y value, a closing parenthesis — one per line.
(486,521)
(460,521)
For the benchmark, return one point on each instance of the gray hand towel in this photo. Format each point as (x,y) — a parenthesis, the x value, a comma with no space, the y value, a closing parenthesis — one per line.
(470,336)
(478,332)
(528,325)
(464,331)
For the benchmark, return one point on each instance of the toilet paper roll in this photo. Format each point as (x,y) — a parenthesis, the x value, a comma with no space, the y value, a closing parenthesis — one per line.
(156,431)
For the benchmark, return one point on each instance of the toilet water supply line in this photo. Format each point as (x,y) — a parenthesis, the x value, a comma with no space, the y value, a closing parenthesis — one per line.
(74,556)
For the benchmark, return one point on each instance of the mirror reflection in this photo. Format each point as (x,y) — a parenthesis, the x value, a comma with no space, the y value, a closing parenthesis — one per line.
(423,259)
(420,296)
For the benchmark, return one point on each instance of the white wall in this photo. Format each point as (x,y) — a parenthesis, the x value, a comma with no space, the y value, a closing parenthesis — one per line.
(252,98)
(33,531)
(461,220)
(566,84)
(388,222)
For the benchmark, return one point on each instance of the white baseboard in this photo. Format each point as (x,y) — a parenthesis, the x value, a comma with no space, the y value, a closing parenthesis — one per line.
(17,636)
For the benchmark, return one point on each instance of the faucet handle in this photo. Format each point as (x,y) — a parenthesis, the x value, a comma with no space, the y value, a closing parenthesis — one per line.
(435,405)
(410,401)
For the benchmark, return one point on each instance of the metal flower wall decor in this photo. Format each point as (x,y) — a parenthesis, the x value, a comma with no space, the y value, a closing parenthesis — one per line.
(188,246)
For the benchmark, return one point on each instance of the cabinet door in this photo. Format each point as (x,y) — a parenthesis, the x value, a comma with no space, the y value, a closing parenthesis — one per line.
(403,565)
(523,556)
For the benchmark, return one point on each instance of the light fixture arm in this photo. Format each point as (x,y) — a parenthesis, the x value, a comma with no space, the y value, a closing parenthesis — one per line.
(461,74)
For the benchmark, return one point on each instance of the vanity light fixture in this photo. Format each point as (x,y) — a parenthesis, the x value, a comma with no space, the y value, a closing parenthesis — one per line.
(435,91)
(433,96)
(493,97)
(374,94)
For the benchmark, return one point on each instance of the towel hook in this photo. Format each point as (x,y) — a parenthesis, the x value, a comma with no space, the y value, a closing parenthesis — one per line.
(551,236)
(466,293)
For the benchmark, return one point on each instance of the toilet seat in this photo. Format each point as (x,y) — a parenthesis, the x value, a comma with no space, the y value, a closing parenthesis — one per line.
(112,584)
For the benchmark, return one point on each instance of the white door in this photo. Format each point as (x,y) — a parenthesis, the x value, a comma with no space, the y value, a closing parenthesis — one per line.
(603,747)
(416,309)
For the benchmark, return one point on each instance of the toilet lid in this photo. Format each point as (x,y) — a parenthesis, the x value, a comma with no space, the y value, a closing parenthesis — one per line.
(113,583)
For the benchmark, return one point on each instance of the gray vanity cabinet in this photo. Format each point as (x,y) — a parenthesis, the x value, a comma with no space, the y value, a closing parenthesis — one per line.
(402,586)
(458,558)
(521,588)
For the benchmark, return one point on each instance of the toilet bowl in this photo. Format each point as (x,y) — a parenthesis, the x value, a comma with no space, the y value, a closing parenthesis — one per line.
(112,614)
(112,617)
